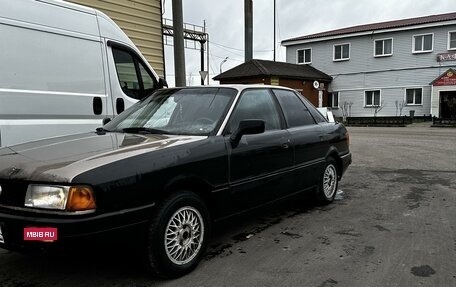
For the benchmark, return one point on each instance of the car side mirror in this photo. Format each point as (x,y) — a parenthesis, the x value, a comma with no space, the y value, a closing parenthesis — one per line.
(162,83)
(246,127)
(106,120)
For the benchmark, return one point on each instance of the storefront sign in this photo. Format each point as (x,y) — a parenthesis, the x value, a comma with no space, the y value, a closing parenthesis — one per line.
(447,79)
(446,57)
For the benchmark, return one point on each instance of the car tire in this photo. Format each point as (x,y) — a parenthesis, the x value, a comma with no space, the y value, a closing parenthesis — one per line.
(329,182)
(177,235)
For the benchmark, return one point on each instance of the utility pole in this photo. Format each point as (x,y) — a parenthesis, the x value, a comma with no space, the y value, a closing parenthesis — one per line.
(202,61)
(207,51)
(179,55)
(275,30)
(191,34)
(248,19)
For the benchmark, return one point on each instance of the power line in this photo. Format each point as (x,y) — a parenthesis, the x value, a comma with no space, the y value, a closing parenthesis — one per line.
(234,59)
(236,49)
(234,53)
(211,63)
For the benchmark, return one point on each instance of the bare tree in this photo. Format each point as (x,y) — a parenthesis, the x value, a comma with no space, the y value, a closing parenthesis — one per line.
(345,111)
(190,79)
(401,106)
(378,108)
(350,104)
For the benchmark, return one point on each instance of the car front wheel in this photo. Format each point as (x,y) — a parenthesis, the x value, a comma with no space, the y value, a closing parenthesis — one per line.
(177,235)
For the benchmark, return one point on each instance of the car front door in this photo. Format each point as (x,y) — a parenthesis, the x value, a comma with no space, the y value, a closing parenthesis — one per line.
(259,163)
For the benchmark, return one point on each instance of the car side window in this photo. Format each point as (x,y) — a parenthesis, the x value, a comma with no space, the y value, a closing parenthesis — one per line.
(255,104)
(296,113)
(134,79)
(318,117)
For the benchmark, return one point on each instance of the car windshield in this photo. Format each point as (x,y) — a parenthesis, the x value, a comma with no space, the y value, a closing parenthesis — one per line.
(189,111)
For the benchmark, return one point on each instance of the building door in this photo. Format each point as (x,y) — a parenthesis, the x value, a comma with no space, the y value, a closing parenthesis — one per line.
(448,105)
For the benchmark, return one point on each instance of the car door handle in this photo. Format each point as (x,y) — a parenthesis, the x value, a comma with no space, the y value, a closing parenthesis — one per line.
(285,145)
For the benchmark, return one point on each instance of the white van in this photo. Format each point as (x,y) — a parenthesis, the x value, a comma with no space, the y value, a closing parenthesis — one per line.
(63,69)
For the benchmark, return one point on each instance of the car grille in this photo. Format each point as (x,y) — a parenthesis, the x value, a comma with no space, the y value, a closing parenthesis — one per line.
(13,193)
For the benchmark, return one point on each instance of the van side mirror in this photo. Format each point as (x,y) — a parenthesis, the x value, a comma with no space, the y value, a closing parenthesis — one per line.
(247,127)
(106,120)
(162,83)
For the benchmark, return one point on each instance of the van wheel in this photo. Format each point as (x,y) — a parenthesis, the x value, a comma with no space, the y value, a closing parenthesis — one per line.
(177,235)
(328,182)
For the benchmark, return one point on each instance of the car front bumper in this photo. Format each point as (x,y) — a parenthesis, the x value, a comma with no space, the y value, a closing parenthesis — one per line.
(72,230)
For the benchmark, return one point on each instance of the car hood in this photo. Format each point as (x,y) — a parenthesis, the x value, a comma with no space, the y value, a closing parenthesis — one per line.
(61,159)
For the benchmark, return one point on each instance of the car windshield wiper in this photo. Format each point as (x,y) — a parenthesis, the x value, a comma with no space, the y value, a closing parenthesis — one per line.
(144,130)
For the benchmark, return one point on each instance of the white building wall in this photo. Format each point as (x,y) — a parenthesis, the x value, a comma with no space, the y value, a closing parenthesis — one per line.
(435,103)
(390,74)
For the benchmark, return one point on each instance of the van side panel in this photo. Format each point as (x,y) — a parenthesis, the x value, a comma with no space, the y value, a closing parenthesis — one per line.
(48,81)
(45,61)
(57,74)
(52,14)
(110,31)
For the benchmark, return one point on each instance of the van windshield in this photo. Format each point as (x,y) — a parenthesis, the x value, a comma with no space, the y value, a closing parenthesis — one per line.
(189,111)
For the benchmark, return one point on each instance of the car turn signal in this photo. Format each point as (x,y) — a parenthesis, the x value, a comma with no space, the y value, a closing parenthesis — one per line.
(81,198)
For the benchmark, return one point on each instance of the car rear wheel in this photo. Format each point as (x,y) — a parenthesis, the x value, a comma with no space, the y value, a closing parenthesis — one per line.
(328,182)
(177,235)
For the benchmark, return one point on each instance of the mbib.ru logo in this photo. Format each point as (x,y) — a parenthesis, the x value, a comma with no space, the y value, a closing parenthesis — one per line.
(40,234)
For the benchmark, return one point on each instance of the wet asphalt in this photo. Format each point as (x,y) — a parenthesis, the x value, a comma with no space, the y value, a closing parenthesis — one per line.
(393,223)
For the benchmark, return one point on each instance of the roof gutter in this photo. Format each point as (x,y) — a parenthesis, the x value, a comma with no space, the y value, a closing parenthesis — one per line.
(291,42)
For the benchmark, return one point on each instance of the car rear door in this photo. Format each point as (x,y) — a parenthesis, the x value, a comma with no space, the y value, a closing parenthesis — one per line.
(307,140)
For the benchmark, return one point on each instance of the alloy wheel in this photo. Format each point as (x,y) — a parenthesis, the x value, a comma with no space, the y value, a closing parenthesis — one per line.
(184,235)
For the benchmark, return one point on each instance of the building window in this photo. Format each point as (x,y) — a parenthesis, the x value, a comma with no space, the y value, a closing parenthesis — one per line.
(333,100)
(423,43)
(383,47)
(372,98)
(305,56)
(452,40)
(341,52)
(414,96)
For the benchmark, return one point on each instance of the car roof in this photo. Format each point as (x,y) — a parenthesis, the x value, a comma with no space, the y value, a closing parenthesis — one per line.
(238,87)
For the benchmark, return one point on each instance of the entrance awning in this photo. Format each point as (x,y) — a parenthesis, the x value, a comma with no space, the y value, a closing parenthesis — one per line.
(443,98)
(446,79)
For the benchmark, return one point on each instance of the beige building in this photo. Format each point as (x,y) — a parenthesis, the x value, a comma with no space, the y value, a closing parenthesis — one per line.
(141,21)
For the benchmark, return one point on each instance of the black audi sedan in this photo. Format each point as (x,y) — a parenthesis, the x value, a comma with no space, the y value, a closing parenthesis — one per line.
(168,168)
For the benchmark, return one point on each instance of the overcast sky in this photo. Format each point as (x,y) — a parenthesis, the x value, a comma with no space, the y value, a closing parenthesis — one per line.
(225,25)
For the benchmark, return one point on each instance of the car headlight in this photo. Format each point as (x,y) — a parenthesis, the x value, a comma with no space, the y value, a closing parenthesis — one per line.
(69,198)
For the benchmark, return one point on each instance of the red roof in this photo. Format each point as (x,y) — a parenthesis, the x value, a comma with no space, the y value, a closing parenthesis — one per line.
(379,26)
